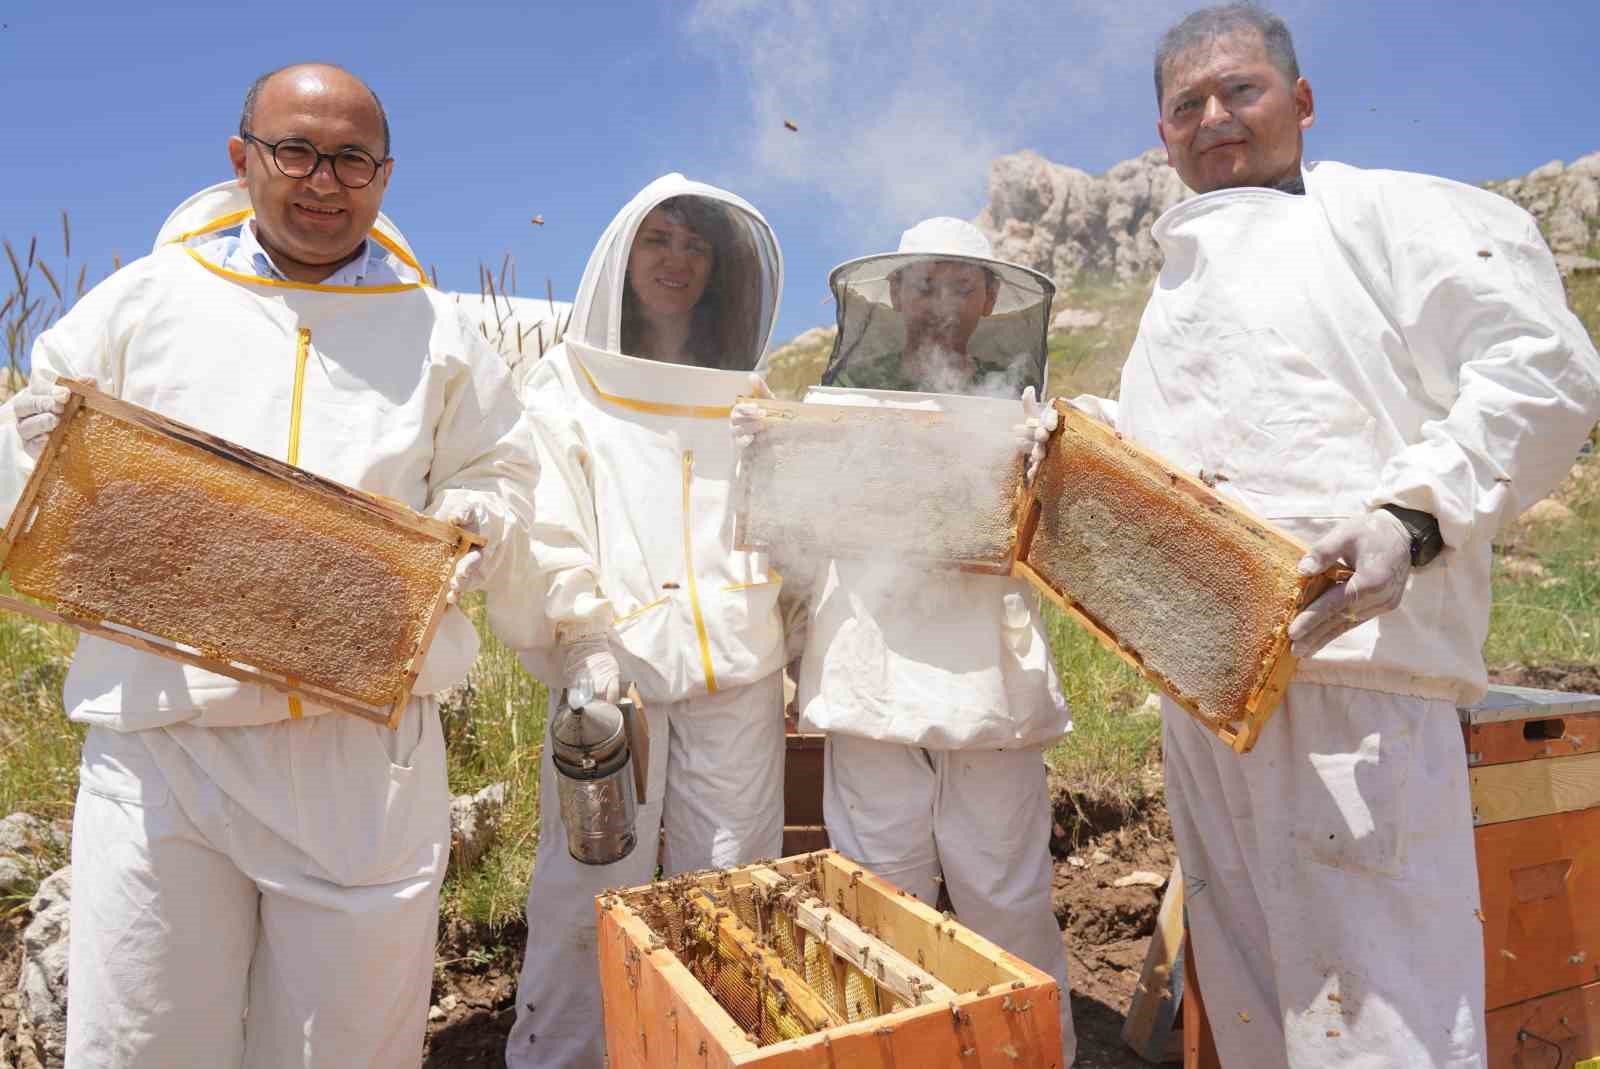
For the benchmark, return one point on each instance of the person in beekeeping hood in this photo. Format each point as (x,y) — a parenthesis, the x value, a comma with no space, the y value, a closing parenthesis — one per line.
(255,878)
(1383,365)
(639,578)
(937,690)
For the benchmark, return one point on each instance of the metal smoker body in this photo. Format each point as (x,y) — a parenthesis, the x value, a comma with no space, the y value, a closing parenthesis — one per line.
(598,779)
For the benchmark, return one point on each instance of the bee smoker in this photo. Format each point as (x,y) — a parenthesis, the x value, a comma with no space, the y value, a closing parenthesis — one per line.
(601,752)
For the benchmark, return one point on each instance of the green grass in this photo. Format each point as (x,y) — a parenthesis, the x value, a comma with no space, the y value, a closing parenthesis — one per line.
(1553,615)
(1113,745)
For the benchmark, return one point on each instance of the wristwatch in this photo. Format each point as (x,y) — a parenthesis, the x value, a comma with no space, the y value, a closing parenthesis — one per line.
(1426,541)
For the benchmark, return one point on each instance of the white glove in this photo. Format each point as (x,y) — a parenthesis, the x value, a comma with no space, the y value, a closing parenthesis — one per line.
(1033,433)
(1378,548)
(469,516)
(745,419)
(38,411)
(590,669)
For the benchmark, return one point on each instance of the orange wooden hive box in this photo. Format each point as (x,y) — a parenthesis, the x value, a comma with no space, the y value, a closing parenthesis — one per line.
(1534,767)
(204,552)
(811,961)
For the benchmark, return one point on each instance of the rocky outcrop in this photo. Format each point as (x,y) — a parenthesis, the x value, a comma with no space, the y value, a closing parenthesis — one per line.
(1565,198)
(1071,224)
(24,840)
(475,824)
(43,987)
(1068,223)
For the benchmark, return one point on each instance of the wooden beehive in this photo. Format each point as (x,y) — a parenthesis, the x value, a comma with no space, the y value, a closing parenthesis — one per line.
(811,961)
(223,558)
(1534,769)
(1184,585)
(937,489)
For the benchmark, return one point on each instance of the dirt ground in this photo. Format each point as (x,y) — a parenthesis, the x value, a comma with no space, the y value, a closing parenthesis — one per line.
(1106,929)
(1581,678)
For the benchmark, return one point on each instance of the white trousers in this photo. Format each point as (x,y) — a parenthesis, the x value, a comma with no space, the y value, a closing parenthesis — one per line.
(715,788)
(1331,883)
(261,897)
(979,819)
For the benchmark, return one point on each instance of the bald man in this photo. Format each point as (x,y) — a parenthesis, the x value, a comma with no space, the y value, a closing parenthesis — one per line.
(255,878)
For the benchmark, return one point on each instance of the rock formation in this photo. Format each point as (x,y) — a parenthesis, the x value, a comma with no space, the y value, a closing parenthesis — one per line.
(1073,225)
(1068,223)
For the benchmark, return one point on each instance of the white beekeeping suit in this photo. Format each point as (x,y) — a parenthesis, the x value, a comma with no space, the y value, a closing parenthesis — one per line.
(232,847)
(937,690)
(1384,338)
(634,544)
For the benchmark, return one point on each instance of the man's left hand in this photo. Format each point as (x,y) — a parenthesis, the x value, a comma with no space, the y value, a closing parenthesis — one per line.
(468,575)
(1377,548)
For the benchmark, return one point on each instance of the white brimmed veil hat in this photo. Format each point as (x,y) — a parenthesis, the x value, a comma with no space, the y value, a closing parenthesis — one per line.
(1009,343)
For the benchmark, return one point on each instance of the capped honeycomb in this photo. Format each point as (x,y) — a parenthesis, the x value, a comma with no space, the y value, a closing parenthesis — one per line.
(140,528)
(1193,590)
(845,481)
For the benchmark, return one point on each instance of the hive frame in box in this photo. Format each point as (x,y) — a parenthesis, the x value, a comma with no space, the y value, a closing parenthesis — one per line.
(1275,671)
(84,396)
(976,1004)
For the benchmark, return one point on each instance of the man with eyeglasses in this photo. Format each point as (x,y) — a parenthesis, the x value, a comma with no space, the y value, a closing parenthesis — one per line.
(255,878)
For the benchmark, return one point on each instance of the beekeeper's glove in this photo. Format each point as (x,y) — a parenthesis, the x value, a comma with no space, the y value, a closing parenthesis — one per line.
(1377,547)
(1033,433)
(745,419)
(590,668)
(469,516)
(38,411)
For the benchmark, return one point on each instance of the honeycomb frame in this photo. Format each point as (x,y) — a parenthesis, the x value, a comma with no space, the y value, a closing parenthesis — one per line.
(112,468)
(1110,529)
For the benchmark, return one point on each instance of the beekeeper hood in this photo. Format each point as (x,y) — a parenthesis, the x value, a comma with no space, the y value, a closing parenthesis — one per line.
(225,207)
(940,315)
(732,320)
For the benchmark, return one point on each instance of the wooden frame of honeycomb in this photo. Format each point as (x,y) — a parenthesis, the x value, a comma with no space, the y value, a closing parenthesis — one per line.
(1181,583)
(223,558)
(811,961)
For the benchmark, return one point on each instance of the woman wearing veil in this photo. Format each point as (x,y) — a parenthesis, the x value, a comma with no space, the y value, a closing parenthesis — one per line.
(634,552)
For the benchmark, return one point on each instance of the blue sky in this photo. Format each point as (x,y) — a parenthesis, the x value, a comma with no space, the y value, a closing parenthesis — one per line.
(500,113)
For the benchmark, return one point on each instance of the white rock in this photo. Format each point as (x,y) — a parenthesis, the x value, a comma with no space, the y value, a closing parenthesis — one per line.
(475,822)
(449,1002)
(1547,511)
(1063,221)
(1522,568)
(1077,319)
(435,1013)
(43,985)
(1139,878)
(1151,706)
(25,842)
(1077,862)
(1100,857)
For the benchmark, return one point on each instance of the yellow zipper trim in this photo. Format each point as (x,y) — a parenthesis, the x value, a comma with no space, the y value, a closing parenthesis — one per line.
(302,350)
(772,578)
(254,280)
(657,408)
(688,561)
(640,611)
(220,223)
(234,218)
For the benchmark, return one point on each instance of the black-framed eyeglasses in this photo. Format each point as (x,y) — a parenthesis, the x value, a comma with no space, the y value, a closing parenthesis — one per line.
(296,157)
